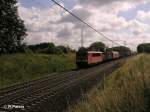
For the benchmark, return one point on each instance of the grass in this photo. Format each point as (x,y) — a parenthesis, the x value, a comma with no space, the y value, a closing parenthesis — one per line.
(17,68)
(126,90)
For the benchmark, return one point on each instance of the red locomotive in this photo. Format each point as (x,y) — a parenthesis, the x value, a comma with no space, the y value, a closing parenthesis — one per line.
(85,58)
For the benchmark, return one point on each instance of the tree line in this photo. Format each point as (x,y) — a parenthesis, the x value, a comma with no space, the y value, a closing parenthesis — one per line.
(49,48)
(99,46)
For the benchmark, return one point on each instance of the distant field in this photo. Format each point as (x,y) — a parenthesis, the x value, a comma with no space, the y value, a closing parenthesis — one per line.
(18,68)
(126,90)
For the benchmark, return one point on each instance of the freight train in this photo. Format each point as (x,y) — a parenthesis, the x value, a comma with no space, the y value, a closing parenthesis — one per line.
(85,58)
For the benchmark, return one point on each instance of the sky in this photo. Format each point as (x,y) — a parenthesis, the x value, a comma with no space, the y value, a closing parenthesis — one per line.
(125,21)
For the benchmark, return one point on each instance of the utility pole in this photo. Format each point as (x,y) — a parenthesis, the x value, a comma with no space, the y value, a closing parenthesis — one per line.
(112,45)
(125,43)
(82,38)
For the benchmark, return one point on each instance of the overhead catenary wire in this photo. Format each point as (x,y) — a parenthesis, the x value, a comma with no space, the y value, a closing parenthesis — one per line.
(71,13)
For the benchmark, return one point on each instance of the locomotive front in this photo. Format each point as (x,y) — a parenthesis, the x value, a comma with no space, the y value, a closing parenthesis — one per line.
(82,57)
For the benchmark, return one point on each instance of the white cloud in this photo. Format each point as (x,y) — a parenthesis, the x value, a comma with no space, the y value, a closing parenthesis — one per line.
(78,10)
(138,27)
(141,15)
(37,19)
(106,2)
(41,23)
(53,25)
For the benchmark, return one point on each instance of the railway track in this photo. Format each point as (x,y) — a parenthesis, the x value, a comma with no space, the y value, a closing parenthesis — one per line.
(52,92)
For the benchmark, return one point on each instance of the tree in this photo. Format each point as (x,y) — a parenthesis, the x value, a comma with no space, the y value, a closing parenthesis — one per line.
(144,48)
(62,49)
(97,46)
(12,29)
(51,48)
(48,48)
(82,52)
(124,51)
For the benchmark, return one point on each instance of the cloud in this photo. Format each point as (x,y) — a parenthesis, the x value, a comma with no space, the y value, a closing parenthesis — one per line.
(41,23)
(137,27)
(143,16)
(112,6)
(54,25)
(39,19)
(65,32)
(81,12)
(106,2)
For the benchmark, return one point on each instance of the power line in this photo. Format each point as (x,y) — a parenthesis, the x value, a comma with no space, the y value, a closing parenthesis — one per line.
(81,37)
(100,33)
